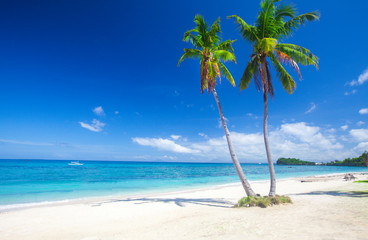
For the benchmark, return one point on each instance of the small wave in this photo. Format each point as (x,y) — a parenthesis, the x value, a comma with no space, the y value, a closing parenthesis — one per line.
(11,207)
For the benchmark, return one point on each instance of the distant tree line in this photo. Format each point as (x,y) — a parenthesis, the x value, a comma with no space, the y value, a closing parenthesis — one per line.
(293,161)
(361,161)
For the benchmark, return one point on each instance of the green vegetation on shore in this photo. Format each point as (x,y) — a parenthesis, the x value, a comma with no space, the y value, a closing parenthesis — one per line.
(262,202)
(360,161)
(361,181)
(293,161)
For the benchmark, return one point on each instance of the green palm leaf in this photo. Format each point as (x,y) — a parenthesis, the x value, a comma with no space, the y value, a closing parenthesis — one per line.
(224,55)
(299,54)
(249,73)
(190,53)
(297,21)
(226,73)
(247,31)
(210,51)
(286,80)
(283,11)
(265,21)
(226,45)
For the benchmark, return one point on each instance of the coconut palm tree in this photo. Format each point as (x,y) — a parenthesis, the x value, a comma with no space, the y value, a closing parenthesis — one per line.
(211,53)
(273,24)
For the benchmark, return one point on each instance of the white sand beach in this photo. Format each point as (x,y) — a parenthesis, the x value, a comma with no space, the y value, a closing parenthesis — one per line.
(324,208)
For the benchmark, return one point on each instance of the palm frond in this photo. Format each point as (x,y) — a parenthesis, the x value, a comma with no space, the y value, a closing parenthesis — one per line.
(190,53)
(202,29)
(225,45)
(224,55)
(265,20)
(281,13)
(249,72)
(225,72)
(297,21)
(188,35)
(215,31)
(248,32)
(299,54)
(286,59)
(210,51)
(286,80)
(285,10)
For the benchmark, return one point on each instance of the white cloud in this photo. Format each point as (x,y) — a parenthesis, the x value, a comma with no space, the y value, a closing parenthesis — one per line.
(26,142)
(289,140)
(363,77)
(312,108)
(163,144)
(351,92)
(363,111)
(299,130)
(363,146)
(344,127)
(96,125)
(175,137)
(203,135)
(169,157)
(251,115)
(360,123)
(359,134)
(331,130)
(99,111)
(116,112)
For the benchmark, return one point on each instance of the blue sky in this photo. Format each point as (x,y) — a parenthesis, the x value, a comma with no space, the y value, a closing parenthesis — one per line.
(99,80)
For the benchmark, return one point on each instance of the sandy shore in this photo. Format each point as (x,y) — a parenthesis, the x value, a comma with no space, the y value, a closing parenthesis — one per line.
(324,208)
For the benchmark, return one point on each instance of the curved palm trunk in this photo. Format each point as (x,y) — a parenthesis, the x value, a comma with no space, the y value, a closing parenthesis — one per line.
(268,152)
(272,192)
(248,190)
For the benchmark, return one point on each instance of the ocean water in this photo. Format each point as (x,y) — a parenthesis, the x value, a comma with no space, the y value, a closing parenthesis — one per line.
(31,181)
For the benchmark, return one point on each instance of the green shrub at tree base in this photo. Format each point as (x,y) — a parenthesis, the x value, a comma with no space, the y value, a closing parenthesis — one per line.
(262,202)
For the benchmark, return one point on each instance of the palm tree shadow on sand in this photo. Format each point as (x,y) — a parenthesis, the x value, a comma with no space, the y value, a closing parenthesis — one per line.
(181,202)
(355,194)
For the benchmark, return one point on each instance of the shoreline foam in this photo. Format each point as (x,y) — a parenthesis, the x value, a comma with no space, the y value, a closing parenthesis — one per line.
(22,206)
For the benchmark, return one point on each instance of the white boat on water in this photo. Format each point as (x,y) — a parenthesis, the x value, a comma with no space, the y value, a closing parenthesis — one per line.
(75,163)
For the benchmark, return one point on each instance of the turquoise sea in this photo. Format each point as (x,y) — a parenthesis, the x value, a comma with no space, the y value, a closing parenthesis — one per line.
(35,181)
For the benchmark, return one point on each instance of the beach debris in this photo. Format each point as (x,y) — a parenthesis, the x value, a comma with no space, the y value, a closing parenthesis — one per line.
(306,181)
(349,177)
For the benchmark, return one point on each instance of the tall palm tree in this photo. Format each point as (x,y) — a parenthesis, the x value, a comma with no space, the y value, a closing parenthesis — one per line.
(211,52)
(273,24)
